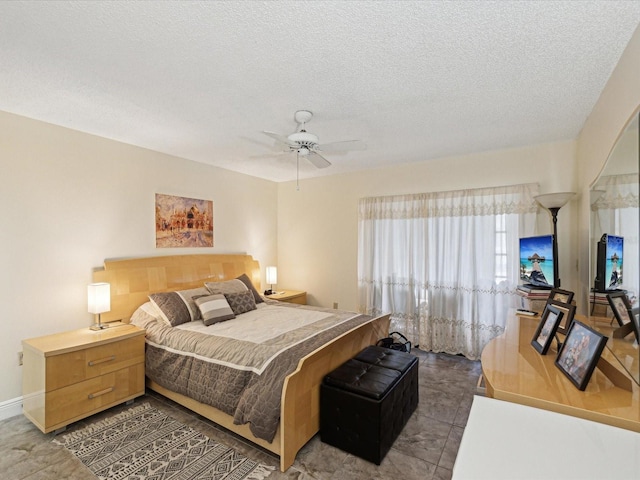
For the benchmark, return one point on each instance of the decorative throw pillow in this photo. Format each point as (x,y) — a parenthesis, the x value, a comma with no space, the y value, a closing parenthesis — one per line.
(229,286)
(241,302)
(214,309)
(247,281)
(178,307)
(171,307)
(189,297)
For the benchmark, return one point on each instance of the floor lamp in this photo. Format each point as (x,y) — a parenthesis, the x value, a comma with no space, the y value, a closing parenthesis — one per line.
(554,202)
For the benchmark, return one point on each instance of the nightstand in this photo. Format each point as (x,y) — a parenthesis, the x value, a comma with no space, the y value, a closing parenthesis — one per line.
(71,375)
(290,296)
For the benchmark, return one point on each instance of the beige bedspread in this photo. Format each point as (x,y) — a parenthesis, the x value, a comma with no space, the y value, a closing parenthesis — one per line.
(240,370)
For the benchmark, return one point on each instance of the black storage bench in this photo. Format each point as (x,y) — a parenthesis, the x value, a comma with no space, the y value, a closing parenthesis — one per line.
(366,402)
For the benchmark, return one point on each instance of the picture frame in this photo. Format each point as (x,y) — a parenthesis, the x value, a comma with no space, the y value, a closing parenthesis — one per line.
(621,307)
(569,312)
(183,222)
(559,295)
(580,353)
(547,328)
(624,315)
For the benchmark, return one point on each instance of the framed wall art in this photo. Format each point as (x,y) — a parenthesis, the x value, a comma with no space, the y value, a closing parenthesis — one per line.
(183,222)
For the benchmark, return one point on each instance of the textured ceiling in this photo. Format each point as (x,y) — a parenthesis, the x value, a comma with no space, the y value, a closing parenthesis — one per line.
(413,80)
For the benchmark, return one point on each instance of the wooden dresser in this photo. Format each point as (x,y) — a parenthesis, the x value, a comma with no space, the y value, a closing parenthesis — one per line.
(514,371)
(72,375)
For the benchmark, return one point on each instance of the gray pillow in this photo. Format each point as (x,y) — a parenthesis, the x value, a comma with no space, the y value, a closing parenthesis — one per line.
(178,307)
(241,302)
(171,307)
(229,286)
(189,297)
(247,281)
(214,309)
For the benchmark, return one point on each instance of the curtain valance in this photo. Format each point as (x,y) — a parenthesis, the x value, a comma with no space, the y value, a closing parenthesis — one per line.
(516,199)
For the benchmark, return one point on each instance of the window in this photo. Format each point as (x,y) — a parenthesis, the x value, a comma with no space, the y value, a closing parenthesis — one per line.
(501,249)
(443,264)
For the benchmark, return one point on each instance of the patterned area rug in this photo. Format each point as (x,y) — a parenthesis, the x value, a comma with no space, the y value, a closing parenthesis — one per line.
(145,443)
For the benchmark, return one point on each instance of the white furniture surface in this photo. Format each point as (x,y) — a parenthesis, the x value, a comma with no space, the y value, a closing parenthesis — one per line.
(505,440)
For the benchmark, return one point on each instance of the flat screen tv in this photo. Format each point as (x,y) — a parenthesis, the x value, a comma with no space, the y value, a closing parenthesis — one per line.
(609,263)
(536,261)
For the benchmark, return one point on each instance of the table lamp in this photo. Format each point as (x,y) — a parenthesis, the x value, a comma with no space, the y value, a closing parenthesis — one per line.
(99,301)
(272,277)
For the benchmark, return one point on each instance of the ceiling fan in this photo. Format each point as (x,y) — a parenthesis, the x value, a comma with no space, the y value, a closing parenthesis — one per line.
(306,144)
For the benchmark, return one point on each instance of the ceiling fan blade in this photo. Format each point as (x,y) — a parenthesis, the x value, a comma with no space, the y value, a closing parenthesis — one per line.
(280,138)
(271,155)
(318,160)
(344,146)
(266,144)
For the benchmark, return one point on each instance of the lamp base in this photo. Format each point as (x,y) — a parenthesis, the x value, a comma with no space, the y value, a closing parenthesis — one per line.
(99,326)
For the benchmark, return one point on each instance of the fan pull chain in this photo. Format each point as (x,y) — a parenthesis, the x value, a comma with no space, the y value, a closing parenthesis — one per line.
(297,171)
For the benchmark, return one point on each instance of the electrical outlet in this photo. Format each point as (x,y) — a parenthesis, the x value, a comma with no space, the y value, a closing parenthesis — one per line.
(335,305)
(19,358)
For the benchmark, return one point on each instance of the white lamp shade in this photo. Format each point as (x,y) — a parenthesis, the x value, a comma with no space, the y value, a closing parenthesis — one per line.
(554,200)
(99,297)
(272,275)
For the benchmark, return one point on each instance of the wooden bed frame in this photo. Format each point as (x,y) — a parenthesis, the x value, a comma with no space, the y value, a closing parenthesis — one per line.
(132,280)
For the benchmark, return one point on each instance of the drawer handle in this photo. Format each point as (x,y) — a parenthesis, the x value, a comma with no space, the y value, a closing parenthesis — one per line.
(102,360)
(101,392)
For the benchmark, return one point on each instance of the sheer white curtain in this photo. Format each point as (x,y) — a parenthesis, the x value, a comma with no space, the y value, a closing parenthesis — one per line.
(445,264)
(616,213)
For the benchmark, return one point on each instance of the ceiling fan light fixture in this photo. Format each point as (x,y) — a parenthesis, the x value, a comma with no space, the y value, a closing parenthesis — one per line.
(303,137)
(306,144)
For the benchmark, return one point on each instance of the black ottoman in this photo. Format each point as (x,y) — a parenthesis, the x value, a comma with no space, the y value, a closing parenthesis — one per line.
(366,402)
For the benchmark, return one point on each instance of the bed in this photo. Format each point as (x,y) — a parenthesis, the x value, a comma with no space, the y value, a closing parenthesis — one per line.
(134,280)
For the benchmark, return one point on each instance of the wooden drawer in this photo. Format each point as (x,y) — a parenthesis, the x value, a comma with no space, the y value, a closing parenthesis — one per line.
(70,375)
(73,367)
(71,403)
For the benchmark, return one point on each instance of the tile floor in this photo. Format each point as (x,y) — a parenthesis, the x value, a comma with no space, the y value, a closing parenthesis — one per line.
(426,449)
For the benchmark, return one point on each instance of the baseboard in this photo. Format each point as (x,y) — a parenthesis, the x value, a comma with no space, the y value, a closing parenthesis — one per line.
(11,408)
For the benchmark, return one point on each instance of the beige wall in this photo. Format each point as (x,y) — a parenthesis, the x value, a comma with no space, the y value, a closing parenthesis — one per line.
(70,200)
(317,225)
(618,102)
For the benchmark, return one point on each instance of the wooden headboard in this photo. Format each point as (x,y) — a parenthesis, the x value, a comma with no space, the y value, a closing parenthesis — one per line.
(132,280)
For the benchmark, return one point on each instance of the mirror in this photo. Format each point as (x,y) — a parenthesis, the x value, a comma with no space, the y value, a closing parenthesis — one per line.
(614,211)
